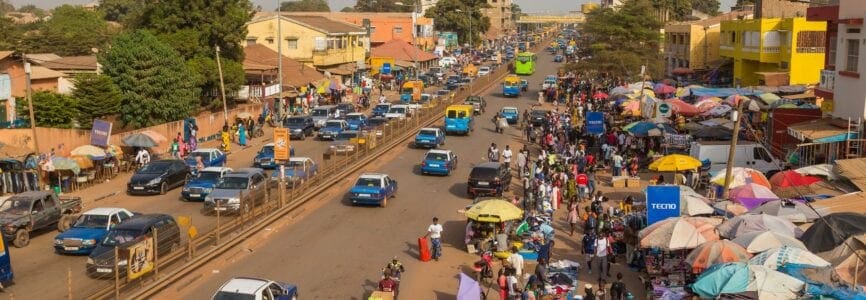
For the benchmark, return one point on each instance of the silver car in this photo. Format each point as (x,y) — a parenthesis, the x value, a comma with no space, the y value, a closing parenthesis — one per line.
(226,195)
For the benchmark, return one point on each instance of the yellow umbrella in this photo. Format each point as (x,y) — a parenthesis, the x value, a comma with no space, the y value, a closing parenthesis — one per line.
(674,163)
(494,210)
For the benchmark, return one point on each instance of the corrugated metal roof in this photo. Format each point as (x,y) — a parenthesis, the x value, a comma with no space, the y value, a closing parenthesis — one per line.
(328,25)
(261,58)
(72,63)
(815,129)
(854,169)
(5,54)
(853,202)
(401,50)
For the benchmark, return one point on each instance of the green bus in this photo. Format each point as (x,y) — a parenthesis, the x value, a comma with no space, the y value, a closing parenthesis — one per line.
(525,63)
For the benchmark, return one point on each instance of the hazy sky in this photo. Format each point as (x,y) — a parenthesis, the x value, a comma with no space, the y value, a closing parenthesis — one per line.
(527,5)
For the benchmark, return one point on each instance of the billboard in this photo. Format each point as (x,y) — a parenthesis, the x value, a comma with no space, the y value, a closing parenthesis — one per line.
(281,143)
(140,258)
(100,133)
(595,122)
(662,202)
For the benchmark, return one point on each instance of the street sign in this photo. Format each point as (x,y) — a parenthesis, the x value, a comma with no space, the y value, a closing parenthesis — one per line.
(100,132)
(281,143)
(272,90)
(663,110)
(386,68)
(595,122)
(662,202)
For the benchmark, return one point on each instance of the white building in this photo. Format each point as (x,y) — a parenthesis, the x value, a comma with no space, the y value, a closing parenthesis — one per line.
(849,91)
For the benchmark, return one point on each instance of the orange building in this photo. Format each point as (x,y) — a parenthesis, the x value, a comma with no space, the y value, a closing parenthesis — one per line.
(385,26)
(13,82)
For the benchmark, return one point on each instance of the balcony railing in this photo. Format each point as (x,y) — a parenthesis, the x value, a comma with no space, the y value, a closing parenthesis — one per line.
(828,80)
(726,47)
(750,49)
(810,49)
(770,49)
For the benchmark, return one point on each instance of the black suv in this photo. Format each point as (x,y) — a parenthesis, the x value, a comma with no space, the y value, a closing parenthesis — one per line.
(490,178)
(300,127)
(538,117)
(100,264)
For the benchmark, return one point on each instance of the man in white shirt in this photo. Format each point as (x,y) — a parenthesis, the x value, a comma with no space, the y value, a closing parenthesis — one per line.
(521,163)
(516,261)
(493,153)
(602,246)
(142,157)
(434,231)
(506,156)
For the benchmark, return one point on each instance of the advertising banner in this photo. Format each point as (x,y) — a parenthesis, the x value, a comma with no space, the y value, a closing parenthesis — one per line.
(595,122)
(100,133)
(281,144)
(140,259)
(662,202)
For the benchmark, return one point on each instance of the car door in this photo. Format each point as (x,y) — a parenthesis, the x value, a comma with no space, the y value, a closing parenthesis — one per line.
(257,187)
(38,214)
(453,160)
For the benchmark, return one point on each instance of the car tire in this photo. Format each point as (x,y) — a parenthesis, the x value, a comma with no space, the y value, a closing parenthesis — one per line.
(162,188)
(384,202)
(22,238)
(64,223)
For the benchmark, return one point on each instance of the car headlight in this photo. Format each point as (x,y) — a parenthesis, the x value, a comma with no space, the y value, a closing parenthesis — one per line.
(58,242)
(122,262)
(186,189)
(207,190)
(296,130)
(154,181)
(89,261)
(88,242)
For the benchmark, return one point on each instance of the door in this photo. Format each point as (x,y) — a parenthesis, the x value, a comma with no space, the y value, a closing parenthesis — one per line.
(257,188)
(39,214)
(179,173)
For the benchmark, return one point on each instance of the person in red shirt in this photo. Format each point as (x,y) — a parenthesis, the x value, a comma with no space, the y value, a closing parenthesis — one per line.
(582,183)
(387,284)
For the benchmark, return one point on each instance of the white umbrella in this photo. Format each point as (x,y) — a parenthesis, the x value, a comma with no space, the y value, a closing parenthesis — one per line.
(771,284)
(756,242)
(692,203)
(775,258)
(825,170)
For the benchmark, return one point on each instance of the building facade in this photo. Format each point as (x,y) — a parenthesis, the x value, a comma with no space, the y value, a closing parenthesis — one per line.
(385,26)
(765,51)
(694,45)
(501,22)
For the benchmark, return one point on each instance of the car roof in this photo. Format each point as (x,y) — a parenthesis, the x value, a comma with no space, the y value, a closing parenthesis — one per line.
(509,107)
(373,175)
(355,114)
(244,285)
(216,169)
(139,221)
(299,158)
(442,151)
(335,120)
(428,128)
(245,172)
(488,165)
(204,150)
(103,211)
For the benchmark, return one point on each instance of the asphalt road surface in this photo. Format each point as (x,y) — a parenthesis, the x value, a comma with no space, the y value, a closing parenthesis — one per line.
(337,251)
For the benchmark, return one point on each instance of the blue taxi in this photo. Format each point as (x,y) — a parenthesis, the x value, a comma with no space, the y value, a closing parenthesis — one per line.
(373,189)
(511,114)
(429,137)
(439,162)
(198,187)
(265,157)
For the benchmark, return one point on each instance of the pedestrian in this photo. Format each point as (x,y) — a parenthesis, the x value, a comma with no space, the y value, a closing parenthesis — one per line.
(541,272)
(600,293)
(617,288)
(226,137)
(193,137)
(434,231)
(242,135)
(513,284)
(506,157)
(588,294)
(572,216)
(493,153)
(521,163)
(588,243)
(175,149)
(516,261)
(142,157)
(617,162)
(602,249)
(502,281)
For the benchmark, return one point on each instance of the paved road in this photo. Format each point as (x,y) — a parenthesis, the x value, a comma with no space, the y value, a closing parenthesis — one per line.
(337,251)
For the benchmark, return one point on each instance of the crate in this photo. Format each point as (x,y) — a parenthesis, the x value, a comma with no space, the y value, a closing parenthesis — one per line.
(633,182)
(618,182)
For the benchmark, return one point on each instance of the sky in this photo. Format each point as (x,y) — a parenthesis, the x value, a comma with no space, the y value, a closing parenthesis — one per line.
(526,5)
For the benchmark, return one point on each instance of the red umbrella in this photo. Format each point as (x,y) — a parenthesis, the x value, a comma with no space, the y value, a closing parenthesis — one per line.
(683,108)
(791,178)
(665,89)
(599,95)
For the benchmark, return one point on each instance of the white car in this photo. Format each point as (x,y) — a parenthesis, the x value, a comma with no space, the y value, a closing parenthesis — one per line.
(255,289)
(447,61)
(399,111)
(483,71)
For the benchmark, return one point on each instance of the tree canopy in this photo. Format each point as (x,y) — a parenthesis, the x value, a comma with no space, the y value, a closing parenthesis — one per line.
(384,5)
(71,30)
(448,18)
(305,5)
(710,7)
(97,97)
(348,9)
(51,109)
(118,10)
(153,77)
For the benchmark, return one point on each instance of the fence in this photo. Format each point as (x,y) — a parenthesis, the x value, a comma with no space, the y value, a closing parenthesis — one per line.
(269,202)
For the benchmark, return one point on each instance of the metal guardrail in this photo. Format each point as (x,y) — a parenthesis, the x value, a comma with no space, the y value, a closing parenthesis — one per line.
(259,213)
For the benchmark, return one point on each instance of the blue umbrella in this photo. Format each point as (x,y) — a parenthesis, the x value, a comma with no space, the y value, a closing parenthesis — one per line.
(643,128)
(739,278)
(139,140)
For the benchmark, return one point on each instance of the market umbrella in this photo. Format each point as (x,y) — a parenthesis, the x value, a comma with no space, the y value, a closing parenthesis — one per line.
(705,105)
(114,150)
(825,235)
(747,223)
(741,176)
(751,195)
(825,170)
(729,208)
(760,241)
(599,95)
(769,98)
(494,210)
(794,211)
(692,203)
(682,92)
(678,233)
(620,90)
(790,178)
(720,110)
(845,260)
(631,107)
(683,108)
(139,140)
(157,137)
(675,163)
(718,122)
(738,277)
(469,288)
(63,163)
(713,133)
(715,252)
(664,89)
(90,151)
(642,128)
(774,258)
(83,161)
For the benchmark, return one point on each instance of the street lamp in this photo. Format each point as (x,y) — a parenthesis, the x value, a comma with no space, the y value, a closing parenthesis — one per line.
(414,35)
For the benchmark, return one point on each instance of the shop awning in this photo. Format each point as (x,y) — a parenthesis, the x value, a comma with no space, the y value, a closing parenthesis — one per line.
(820,131)
(342,69)
(403,63)
(855,170)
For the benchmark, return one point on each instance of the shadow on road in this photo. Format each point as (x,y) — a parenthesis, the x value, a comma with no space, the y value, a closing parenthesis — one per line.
(459,190)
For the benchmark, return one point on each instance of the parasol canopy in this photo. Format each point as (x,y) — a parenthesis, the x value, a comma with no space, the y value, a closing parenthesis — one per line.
(494,210)
(83,161)
(664,89)
(794,211)
(747,223)
(742,176)
(114,150)
(730,208)
(790,178)
(751,195)
(825,170)
(760,241)
(739,278)
(683,108)
(620,90)
(155,136)
(678,233)
(715,252)
(717,111)
(692,203)
(775,258)
(63,163)
(90,151)
(674,163)
(822,237)
(139,140)
(599,95)
(706,104)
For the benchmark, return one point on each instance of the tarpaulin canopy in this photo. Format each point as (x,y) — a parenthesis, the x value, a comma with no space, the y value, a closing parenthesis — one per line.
(742,176)
(775,258)
(734,278)
(674,163)
(821,237)
(723,92)
(747,223)
(794,211)
(678,233)
(715,252)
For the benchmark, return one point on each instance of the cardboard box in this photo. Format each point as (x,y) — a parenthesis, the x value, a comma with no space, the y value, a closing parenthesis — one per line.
(633,182)
(618,182)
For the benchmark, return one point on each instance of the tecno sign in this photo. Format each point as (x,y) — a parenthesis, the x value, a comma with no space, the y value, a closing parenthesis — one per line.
(663,206)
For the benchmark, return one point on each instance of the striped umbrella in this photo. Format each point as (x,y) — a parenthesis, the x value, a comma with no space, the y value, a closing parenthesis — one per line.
(679,233)
(778,257)
(760,241)
(715,252)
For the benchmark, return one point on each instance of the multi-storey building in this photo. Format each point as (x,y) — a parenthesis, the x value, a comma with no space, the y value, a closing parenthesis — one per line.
(694,45)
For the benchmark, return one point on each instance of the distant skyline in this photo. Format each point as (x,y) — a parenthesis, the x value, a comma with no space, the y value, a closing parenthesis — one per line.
(336,5)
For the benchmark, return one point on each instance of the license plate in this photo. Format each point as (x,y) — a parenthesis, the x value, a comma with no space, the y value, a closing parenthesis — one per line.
(103,270)
(70,248)
(195,195)
(138,188)
(363,195)
(483,183)
(220,208)
(435,166)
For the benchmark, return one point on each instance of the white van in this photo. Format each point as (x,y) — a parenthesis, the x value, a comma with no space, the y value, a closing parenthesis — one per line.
(747,155)
(446,62)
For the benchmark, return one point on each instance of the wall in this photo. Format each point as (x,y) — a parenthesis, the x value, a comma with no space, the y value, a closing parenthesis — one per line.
(782,9)
(16,74)
(267,29)
(805,68)
(850,90)
(64,140)
(384,24)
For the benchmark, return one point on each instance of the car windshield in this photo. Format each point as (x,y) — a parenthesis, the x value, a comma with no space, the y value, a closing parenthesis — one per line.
(539,113)
(437,156)
(154,168)
(16,206)
(371,182)
(483,173)
(293,164)
(91,221)
(523,59)
(320,112)
(383,106)
(453,78)
(232,183)
(208,175)
(354,117)
(427,132)
(397,110)
(484,69)
(294,121)
(473,99)
(224,295)
(333,124)
(344,136)
(267,149)
(120,237)
(204,155)
(407,90)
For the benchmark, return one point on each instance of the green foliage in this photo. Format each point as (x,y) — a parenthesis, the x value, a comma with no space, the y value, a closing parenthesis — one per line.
(97,97)
(52,109)
(10,34)
(347,9)
(205,74)
(30,8)
(622,40)
(710,7)
(153,78)
(305,5)
(118,10)
(71,30)
(384,5)
(449,19)
(745,2)
(674,9)
(516,11)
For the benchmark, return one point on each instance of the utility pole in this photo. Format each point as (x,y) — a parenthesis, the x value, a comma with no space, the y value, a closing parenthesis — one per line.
(415,38)
(733,150)
(470,43)
(279,102)
(222,84)
(30,102)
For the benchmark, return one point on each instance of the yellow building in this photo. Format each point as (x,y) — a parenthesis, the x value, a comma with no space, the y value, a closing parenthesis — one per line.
(694,45)
(327,44)
(766,51)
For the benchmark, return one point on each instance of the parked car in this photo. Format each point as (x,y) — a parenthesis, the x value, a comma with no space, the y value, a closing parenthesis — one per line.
(558,58)
(397,112)
(483,71)
(477,103)
(299,127)
(255,289)
(437,161)
(381,109)
(356,121)
(437,72)
(265,157)
(89,229)
(345,108)
(226,194)
(158,177)
(101,262)
(464,82)
(373,189)
(447,61)
(211,157)
(443,93)
(332,128)
(511,114)
(297,171)
(27,212)
(538,117)
(429,137)
(491,178)
(322,114)
(198,187)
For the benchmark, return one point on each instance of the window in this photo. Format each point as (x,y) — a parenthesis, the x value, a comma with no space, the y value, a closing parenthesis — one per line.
(851,60)
(292,43)
(251,42)
(270,40)
(810,41)
(398,29)
(831,53)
